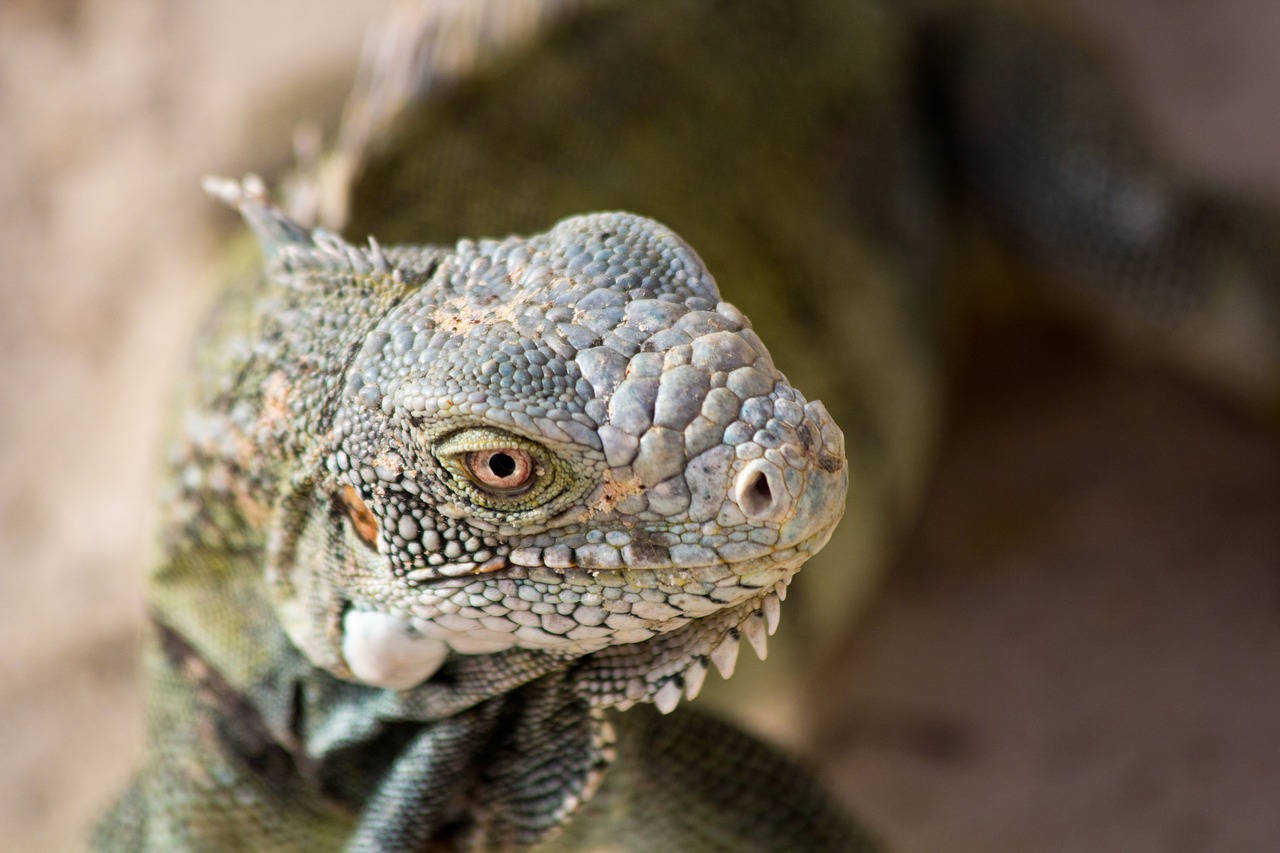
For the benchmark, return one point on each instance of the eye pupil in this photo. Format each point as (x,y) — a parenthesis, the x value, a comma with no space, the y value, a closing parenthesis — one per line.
(502,465)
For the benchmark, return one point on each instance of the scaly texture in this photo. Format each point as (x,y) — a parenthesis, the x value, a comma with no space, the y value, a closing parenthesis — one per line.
(495,489)
(436,517)
(574,421)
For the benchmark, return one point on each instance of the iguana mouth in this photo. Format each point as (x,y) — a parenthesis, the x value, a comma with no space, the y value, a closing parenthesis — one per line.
(680,619)
(683,674)
(547,599)
(501,568)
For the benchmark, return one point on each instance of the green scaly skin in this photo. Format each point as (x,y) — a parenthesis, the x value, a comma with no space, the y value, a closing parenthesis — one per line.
(450,506)
(347,652)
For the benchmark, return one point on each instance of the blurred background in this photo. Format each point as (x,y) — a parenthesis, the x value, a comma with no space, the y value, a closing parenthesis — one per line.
(1078,647)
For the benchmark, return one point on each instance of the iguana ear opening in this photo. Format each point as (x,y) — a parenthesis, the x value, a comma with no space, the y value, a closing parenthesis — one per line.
(362,519)
(306,542)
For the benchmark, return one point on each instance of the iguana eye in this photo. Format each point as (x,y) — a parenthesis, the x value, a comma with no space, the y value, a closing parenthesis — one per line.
(361,517)
(505,471)
(505,476)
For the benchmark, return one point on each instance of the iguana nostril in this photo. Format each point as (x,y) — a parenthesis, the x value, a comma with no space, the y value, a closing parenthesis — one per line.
(758,492)
(760,489)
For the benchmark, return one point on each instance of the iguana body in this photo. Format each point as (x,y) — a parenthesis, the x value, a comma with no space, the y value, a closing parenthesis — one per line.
(437,509)
(326,547)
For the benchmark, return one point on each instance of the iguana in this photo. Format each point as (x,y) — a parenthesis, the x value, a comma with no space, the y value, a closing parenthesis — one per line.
(386,453)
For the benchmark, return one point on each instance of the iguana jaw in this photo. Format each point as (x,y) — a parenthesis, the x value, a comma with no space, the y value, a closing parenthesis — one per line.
(383,650)
(656,653)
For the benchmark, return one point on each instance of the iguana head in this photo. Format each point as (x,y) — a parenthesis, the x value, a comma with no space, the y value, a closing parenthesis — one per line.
(567,443)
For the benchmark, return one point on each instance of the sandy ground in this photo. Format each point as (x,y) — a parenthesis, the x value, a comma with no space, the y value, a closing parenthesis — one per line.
(1079,648)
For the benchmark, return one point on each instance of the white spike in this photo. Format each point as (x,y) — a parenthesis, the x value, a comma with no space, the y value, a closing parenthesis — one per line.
(725,656)
(668,696)
(380,261)
(757,636)
(254,186)
(694,676)
(781,590)
(606,735)
(224,190)
(772,612)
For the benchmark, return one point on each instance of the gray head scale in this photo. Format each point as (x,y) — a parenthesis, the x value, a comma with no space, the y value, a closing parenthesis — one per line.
(566,443)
